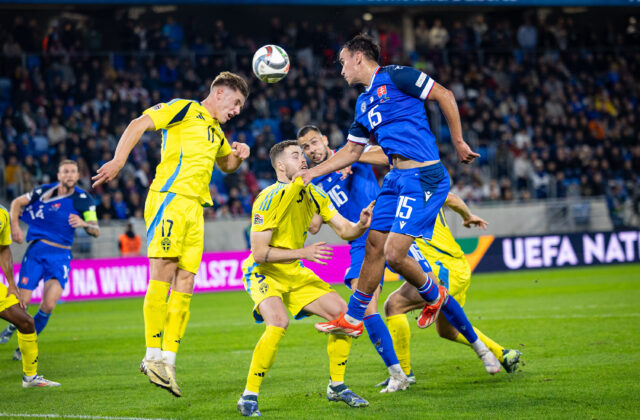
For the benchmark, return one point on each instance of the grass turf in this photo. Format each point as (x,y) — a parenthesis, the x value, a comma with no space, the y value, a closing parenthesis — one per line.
(578,329)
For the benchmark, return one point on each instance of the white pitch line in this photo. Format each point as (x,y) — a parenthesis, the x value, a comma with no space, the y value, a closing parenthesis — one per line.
(76,416)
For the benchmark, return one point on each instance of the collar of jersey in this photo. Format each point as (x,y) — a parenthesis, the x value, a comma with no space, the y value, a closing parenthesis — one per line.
(372,77)
(59,197)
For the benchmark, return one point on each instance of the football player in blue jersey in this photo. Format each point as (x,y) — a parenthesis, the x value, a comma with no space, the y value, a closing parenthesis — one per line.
(348,192)
(52,212)
(392,110)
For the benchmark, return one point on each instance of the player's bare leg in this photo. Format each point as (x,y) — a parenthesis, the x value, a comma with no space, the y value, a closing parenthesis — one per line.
(28,343)
(369,280)
(275,316)
(396,252)
(162,272)
(331,306)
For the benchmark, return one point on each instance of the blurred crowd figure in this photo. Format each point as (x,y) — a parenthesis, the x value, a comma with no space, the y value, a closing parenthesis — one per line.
(549,100)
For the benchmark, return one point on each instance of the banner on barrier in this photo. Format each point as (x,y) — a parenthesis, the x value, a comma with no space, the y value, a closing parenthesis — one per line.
(488,253)
(222,271)
(128,277)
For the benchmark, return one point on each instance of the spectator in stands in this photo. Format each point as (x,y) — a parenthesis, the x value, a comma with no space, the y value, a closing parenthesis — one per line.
(129,242)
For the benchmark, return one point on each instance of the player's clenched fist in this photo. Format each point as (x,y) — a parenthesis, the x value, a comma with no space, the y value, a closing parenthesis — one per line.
(465,154)
(318,252)
(241,150)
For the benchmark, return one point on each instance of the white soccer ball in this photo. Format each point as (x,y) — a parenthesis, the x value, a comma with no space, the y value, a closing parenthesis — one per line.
(270,63)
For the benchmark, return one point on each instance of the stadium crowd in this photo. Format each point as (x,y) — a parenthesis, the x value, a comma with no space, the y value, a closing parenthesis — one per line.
(550,103)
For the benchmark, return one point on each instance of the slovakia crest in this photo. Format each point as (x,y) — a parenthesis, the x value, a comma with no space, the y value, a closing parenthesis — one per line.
(55,207)
(382,93)
(363,107)
(258,219)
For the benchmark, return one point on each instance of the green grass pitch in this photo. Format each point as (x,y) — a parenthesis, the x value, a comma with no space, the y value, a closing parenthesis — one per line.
(578,329)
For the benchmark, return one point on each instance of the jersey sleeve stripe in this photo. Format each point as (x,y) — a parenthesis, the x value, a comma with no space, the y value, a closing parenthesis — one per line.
(427,89)
(173,176)
(180,115)
(164,138)
(359,140)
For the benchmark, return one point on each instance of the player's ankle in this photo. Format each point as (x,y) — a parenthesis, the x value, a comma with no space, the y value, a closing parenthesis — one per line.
(248,393)
(351,320)
(153,353)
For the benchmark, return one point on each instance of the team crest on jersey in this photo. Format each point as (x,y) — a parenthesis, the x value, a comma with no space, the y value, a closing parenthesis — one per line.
(157,107)
(363,107)
(263,288)
(25,280)
(258,219)
(382,93)
(55,207)
(166,244)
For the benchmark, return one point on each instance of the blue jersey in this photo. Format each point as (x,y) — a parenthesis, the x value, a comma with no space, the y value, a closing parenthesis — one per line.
(392,109)
(352,194)
(48,217)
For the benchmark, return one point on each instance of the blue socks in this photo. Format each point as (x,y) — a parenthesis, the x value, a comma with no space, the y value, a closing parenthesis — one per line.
(41,320)
(429,291)
(381,339)
(358,303)
(456,317)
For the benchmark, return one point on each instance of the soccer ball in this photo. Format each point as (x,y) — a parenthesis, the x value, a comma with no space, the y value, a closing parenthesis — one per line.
(270,63)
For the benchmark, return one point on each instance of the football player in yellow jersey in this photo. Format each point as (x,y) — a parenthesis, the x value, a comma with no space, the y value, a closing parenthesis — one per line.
(192,142)
(11,310)
(277,280)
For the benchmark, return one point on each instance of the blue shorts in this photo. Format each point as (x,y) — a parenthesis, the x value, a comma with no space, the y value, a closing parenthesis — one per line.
(42,261)
(410,200)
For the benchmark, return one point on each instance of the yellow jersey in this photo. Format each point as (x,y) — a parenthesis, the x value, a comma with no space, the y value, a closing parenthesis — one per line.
(191,142)
(442,240)
(5,227)
(287,209)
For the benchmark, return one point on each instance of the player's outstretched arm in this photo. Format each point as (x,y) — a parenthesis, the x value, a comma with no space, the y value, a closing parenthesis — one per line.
(374,155)
(344,157)
(15,211)
(348,230)
(129,139)
(263,253)
(232,161)
(449,108)
(469,219)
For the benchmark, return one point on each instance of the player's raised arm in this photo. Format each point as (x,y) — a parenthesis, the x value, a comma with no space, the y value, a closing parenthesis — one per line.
(129,139)
(374,155)
(232,161)
(15,211)
(348,230)
(263,253)
(449,108)
(469,219)
(344,157)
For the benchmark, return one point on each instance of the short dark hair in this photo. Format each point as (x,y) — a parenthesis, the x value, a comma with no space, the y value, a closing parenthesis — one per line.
(67,162)
(232,80)
(304,130)
(278,148)
(365,44)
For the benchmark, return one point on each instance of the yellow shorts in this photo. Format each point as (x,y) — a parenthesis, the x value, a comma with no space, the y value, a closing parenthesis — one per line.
(175,228)
(453,273)
(294,283)
(6,301)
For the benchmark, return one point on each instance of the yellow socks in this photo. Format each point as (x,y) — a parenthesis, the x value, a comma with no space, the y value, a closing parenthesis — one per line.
(495,348)
(155,312)
(401,336)
(263,357)
(28,344)
(177,318)
(338,349)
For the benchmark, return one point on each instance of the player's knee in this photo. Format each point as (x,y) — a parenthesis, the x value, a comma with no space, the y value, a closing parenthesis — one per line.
(26,325)
(279,321)
(393,257)
(47,306)
(375,245)
(392,306)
